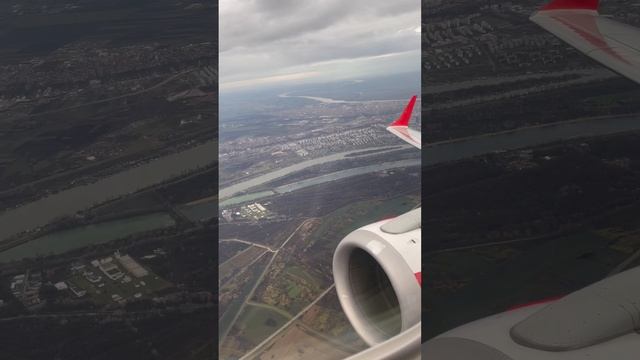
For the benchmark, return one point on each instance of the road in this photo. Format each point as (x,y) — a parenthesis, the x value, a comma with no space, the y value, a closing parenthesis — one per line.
(527,137)
(283,327)
(225,332)
(123,96)
(501,80)
(124,314)
(241,271)
(623,265)
(270,307)
(249,243)
(493,243)
(587,77)
(266,247)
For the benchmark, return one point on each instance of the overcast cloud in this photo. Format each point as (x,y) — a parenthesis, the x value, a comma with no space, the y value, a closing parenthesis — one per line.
(275,41)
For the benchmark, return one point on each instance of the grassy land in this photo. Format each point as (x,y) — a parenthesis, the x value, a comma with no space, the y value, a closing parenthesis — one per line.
(490,280)
(229,312)
(258,322)
(301,273)
(239,262)
(342,221)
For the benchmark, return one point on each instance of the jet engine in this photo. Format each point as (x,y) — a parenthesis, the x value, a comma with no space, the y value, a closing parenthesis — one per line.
(378,278)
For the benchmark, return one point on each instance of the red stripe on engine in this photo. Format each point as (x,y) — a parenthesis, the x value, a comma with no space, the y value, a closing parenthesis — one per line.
(419,278)
(537,302)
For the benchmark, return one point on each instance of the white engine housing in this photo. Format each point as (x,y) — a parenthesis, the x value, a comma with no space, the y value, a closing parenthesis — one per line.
(377,273)
(598,322)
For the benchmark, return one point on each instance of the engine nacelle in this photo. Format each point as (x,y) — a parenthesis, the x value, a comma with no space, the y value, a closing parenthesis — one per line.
(599,321)
(378,277)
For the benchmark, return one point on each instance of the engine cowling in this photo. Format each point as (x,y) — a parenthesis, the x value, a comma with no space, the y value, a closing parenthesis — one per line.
(378,278)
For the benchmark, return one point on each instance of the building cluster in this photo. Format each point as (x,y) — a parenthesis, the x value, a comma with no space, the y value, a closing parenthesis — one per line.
(43,7)
(342,140)
(455,30)
(26,288)
(117,268)
(101,68)
(281,147)
(455,42)
(485,38)
(306,139)
(527,51)
(508,6)
(110,266)
(255,211)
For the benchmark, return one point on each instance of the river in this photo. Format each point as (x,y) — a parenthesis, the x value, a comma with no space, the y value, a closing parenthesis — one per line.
(71,201)
(229,191)
(337,175)
(525,137)
(335,101)
(63,241)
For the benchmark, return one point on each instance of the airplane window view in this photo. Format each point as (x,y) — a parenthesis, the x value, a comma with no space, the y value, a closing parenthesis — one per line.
(107,153)
(318,139)
(532,247)
(245,180)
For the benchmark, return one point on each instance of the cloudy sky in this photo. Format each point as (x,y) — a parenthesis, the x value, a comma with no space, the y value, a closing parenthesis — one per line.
(269,42)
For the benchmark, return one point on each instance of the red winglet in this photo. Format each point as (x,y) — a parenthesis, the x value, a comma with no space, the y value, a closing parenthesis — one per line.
(419,278)
(572,5)
(403,120)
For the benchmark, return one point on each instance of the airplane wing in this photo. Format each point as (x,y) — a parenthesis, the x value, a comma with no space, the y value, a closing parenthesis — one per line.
(400,127)
(597,322)
(611,43)
(404,346)
(378,276)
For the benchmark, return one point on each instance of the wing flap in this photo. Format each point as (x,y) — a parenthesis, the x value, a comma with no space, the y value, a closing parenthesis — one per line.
(609,42)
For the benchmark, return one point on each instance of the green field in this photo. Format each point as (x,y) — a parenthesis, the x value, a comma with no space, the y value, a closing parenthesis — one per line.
(232,309)
(300,273)
(240,261)
(470,284)
(342,221)
(257,322)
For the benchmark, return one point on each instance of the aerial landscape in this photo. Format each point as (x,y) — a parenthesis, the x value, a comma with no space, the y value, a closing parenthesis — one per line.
(532,168)
(305,158)
(116,240)
(107,145)
(288,198)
